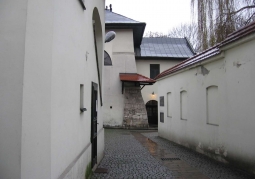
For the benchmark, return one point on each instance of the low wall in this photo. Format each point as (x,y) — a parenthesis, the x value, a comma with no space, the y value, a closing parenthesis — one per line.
(210,106)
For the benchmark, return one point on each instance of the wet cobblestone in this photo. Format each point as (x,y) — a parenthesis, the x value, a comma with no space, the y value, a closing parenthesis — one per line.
(126,157)
(205,165)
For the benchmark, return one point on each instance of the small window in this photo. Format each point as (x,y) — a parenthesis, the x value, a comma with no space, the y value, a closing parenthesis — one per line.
(81,96)
(161,100)
(169,107)
(162,117)
(154,70)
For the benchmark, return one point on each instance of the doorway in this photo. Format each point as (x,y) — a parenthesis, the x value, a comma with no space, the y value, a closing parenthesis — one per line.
(94,103)
(152,113)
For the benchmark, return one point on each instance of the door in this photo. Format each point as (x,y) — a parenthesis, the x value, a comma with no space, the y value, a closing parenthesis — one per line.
(152,112)
(94,123)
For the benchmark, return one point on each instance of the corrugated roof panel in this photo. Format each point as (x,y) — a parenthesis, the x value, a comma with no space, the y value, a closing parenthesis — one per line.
(166,47)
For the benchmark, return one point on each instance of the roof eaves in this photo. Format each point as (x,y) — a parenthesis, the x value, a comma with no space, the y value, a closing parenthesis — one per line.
(215,50)
(191,61)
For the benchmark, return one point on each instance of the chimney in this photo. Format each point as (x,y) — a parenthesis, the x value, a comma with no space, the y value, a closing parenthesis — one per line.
(111,7)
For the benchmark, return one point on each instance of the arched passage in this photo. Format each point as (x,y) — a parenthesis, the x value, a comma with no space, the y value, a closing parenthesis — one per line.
(152,112)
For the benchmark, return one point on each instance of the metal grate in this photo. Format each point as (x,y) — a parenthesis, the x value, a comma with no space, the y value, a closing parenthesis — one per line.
(170,159)
(101,170)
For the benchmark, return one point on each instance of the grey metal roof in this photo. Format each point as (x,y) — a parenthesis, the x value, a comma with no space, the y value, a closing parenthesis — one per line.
(117,21)
(112,17)
(164,47)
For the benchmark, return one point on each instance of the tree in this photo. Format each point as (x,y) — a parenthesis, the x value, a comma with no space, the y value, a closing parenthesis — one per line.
(155,34)
(186,30)
(218,18)
(183,30)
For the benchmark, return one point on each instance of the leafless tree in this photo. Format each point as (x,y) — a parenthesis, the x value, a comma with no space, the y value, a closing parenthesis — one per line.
(183,30)
(217,18)
(155,34)
(186,30)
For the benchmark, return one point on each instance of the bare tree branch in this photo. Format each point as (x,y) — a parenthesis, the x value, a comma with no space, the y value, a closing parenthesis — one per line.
(243,8)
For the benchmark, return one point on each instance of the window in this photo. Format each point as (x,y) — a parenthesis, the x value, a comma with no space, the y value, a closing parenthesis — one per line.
(107,59)
(169,107)
(82,97)
(212,105)
(162,117)
(161,100)
(184,105)
(154,70)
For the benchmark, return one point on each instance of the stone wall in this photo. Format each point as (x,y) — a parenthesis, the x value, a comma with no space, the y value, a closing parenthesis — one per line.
(135,114)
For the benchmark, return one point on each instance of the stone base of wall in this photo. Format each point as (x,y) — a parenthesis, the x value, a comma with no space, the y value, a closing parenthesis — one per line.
(135,114)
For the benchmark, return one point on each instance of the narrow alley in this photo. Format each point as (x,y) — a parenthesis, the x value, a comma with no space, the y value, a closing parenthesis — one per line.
(143,154)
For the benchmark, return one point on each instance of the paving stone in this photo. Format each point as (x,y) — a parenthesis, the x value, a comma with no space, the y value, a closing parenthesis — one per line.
(127,156)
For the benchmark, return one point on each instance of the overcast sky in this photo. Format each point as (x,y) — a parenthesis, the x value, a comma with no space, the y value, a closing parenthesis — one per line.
(159,15)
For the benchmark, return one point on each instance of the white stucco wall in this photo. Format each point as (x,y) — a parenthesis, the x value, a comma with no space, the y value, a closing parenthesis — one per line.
(48,51)
(143,68)
(12,40)
(232,139)
(121,51)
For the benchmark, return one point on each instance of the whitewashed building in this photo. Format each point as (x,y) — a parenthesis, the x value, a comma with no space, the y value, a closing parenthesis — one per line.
(207,102)
(51,66)
(154,56)
(132,54)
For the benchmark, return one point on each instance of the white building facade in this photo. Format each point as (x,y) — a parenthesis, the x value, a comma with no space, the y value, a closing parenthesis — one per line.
(207,102)
(131,53)
(50,80)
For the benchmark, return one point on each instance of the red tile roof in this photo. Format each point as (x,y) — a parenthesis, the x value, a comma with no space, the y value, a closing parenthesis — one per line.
(245,31)
(135,77)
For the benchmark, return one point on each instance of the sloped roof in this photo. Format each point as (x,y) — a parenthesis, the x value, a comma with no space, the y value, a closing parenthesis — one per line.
(243,32)
(164,47)
(111,17)
(135,77)
(117,21)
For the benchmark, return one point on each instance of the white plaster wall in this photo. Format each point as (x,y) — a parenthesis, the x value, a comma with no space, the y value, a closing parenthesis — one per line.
(143,68)
(48,51)
(12,51)
(232,140)
(36,107)
(74,63)
(121,51)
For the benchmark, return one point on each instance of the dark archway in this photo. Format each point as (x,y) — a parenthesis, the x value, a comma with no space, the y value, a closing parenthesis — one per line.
(152,112)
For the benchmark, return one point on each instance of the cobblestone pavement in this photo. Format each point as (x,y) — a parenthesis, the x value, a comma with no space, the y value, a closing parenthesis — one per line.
(138,154)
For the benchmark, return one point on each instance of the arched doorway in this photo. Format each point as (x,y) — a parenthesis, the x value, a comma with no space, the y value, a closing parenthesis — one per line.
(152,112)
